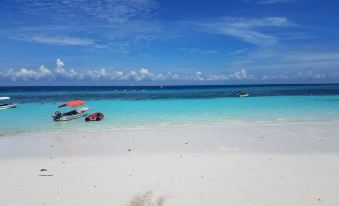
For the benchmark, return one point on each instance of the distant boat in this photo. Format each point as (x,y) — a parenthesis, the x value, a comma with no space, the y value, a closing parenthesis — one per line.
(242,94)
(74,114)
(6,104)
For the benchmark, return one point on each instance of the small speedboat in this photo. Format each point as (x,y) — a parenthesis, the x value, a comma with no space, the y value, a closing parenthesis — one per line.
(242,94)
(6,104)
(74,114)
(95,117)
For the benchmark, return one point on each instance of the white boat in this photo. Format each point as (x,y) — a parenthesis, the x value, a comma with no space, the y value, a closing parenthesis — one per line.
(74,114)
(242,94)
(6,105)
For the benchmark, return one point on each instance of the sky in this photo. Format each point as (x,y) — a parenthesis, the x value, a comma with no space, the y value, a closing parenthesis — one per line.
(168,42)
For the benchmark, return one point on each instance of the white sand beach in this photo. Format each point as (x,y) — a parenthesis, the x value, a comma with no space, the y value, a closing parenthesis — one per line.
(239,164)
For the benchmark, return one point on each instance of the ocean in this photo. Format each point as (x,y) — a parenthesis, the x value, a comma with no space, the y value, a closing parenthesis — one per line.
(139,107)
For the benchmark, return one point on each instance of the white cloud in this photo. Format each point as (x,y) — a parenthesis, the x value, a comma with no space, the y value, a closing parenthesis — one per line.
(237,52)
(311,75)
(172,76)
(61,40)
(241,74)
(199,76)
(308,74)
(290,59)
(275,1)
(247,29)
(60,66)
(28,74)
(69,74)
(117,25)
(217,77)
(97,74)
(117,75)
(199,51)
(108,11)
(144,74)
(141,75)
(275,77)
(44,72)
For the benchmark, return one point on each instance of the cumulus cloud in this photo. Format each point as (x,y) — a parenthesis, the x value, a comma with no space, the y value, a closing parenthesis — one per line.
(142,75)
(97,74)
(28,74)
(145,74)
(60,71)
(241,74)
(60,66)
(199,76)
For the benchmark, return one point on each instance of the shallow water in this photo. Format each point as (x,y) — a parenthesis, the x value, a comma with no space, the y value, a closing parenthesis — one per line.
(126,107)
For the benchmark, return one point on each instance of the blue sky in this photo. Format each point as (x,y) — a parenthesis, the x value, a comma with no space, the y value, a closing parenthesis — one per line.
(149,42)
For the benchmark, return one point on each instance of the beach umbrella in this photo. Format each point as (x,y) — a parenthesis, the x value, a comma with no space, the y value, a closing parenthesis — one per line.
(73,103)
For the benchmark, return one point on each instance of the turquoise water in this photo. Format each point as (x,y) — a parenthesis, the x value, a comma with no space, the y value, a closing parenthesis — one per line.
(146,112)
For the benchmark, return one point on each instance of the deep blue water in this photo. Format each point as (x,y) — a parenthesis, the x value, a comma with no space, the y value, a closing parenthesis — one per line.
(180,105)
(54,94)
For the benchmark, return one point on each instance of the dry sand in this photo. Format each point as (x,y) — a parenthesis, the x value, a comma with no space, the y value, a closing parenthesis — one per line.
(245,164)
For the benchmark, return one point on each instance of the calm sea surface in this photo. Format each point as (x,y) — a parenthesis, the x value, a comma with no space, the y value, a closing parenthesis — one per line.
(130,107)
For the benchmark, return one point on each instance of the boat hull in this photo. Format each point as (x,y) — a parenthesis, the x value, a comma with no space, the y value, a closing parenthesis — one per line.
(244,95)
(75,114)
(8,106)
(71,117)
(95,117)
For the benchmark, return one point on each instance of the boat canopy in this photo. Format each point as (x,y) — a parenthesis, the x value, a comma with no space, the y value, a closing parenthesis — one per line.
(73,103)
(4,98)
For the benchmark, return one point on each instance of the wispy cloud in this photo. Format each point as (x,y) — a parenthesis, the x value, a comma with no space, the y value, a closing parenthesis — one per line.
(62,40)
(251,30)
(200,51)
(237,52)
(275,1)
(115,24)
(80,11)
(292,62)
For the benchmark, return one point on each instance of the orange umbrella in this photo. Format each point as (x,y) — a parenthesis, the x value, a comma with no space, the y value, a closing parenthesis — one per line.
(73,103)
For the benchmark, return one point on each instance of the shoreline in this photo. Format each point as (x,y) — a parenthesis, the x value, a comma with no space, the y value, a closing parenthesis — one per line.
(170,126)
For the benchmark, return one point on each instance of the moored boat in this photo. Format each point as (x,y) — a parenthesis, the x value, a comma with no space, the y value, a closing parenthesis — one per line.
(74,114)
(95,117)
(242,94)
(6,104)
